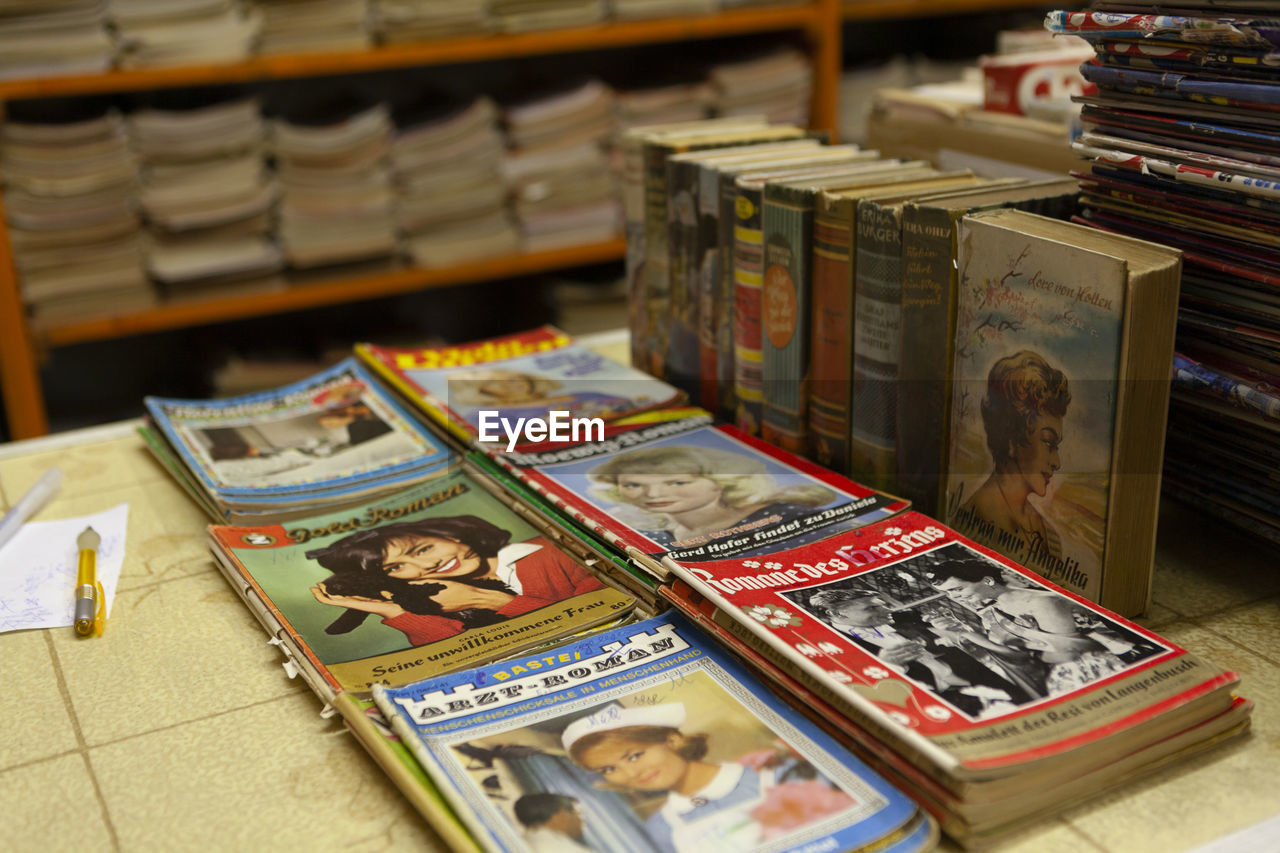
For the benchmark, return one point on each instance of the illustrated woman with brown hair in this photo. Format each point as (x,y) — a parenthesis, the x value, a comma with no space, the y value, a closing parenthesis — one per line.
(1022,414)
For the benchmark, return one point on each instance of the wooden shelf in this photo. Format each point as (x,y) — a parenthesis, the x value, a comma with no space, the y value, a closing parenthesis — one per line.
(440,52)
(886,10)
(335,291)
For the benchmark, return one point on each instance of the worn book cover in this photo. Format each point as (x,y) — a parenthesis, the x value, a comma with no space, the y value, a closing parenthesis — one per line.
(966,663)
(442,577)
(325,439)
(645,738)
(928,321)
(689,489)
(527,375)
(1061,383)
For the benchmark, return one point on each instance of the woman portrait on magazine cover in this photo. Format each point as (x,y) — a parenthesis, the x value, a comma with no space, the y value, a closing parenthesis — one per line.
(435,577)
(674,493)
(701,804)
(523,395)
(1022,415)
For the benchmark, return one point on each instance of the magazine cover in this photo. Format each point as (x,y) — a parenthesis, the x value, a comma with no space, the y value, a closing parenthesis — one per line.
(441,577)
(332,432)
(527,375)
(691,489)
(646,738)
(952,651)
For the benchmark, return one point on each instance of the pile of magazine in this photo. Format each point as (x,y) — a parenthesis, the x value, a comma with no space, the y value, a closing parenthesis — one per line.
(509,614)
(1183,136)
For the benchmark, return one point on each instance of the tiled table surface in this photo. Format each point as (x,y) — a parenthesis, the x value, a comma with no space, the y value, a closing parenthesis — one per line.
(179,730)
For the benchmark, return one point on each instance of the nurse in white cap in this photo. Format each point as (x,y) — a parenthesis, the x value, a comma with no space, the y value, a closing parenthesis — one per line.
(643,749)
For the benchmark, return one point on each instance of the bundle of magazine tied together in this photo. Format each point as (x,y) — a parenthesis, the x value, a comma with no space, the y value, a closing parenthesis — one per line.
(827,636)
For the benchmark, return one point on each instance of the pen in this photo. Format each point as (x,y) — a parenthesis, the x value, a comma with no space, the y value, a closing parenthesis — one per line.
(30,503)
(89,597)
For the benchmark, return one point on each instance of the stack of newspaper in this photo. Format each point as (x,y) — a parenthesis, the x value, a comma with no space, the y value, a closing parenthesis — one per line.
(39,37)
(337,202)
(207,193)
(563,190)
(451,202)
(666,104)
(416,20)
(313,26)
(518,16)
(778,85)
(183,32)
(70,187)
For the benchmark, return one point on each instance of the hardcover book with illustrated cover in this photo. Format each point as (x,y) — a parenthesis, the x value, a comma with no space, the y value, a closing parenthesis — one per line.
(645,738)
(689,489)
(442,577)
(1064,336)
(331,439)
(984,675)
(520,376)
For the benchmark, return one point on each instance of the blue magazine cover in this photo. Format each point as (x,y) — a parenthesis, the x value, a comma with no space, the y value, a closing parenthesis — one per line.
(325,435)
(648,737)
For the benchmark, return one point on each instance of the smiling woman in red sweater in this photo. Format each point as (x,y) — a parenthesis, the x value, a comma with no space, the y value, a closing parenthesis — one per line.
(468,556)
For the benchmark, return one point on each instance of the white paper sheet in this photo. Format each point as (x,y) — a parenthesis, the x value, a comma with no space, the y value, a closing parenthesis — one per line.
(38,568)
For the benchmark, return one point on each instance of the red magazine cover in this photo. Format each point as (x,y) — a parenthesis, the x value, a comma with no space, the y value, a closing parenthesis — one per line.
(965,660)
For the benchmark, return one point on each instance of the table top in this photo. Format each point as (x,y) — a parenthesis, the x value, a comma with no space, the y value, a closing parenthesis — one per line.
(179,729)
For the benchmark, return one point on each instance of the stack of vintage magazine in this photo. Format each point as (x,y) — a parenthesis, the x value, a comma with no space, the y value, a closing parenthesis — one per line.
(206,192)
(451,198)
(70,197)
(778,85)
(1183,141)
(176,32)
(562,189)
(313,26)
(334,440)
(989,694)
(395,21)
(337,204)
(518,16)
(39,37)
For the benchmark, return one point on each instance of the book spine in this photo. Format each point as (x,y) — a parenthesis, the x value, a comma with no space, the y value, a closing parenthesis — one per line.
(928,329)
(710,294)
(787,226)
(726,322)
(657,272)
(831,386)
(633,211)
(681,317)
(877,327)
(748,263)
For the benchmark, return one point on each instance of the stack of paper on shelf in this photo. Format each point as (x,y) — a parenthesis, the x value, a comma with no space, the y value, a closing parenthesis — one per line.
(332,441)
(207,194)
(183,32)
(778,85)
(451,200)
(337,203)
(648,737)
(1183,141)
(518,16)
(70,183)
(563,190)
(677,102)
(990,695)
(41,37)
(395,21)
(314,26)
(625,10)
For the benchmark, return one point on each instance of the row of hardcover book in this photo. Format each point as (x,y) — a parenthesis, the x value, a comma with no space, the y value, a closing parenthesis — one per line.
(662,635)
(928,333)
